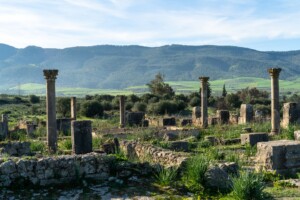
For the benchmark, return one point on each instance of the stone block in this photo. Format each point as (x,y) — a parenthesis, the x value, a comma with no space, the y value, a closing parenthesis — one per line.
(234,119)
(223,116)
(167,121)
(213,121)
(170,136)
(134,118)
(290,114)
(64,125)
(186,122)
(196,113)
(253,138)
(246,114)
(297,135)
(179,146)
(281,155)
(81,134)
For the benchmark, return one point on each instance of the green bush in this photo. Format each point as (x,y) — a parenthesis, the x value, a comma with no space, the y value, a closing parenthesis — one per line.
(65,144)
(34,99)
(248,186)
(38,146)
(139,107)
(163,107)
(165,176)
(91,108)
(195,170)
(195,101)
(107,106)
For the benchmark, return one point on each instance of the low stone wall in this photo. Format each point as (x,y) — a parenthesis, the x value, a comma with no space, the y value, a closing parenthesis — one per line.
(158,155)
(15,148)
(53,170)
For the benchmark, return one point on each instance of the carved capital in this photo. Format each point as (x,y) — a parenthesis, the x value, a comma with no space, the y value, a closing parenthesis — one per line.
(50,74)
(274,72)
(203,79)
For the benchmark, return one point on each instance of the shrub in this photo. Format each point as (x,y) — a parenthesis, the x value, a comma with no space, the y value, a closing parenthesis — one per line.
(65,144)
(195,170)
(165,176)
(63,106)
(106,105)
(34,99)
(139,106)
(195,101)
(128,105)
(248,186)
(91,108)
(37,146)
(163,107)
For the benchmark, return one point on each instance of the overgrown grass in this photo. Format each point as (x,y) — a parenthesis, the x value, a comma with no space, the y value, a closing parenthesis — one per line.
(65,144)
(165,176)
(38,146)
(248,186)
(194,173)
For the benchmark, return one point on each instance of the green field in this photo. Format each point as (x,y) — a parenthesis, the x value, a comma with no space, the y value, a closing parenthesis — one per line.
(232,85)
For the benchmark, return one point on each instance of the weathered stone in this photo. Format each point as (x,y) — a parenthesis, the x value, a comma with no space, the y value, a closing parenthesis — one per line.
(212,139)
(179,146)
(297,135)
(234,119)
(223,116)
(50,76)
(167,121)
(169,136)
(217,179)
(246,114)
(122,111)
(134,118)
(213,121)
(81,133)
(230,141)
(247,130)
(109,148)
(281,155)
(186,122)
(196,113)
(253,138)
(64,125)
(290,114)
(4,127)
(30,129)
(73,108)
(15,148)
(275,110)
(204,114)
(230,168)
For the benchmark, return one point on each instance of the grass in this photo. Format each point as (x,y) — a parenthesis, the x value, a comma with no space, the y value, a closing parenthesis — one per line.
(248,186)
(165,176)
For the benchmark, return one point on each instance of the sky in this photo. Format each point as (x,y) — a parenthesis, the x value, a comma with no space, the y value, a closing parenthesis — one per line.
(266,25)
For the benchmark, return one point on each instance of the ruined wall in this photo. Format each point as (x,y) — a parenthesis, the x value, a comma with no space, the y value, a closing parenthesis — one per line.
(53,170)
(15,148)
(157,155)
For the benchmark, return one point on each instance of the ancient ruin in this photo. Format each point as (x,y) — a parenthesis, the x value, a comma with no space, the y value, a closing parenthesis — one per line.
(204,115)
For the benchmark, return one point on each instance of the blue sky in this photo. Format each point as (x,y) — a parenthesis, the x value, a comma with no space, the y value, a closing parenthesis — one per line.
(259,24)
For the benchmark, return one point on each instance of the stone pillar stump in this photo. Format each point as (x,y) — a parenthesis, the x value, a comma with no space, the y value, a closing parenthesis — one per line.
(81,135)
(204,114)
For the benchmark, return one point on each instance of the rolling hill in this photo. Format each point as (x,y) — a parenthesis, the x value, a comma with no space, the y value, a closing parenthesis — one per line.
(117,67)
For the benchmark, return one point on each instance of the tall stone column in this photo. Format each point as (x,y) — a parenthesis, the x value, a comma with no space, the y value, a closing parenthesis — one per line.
(204,115)
(73,108)
(122,111)
(50,76)
(275,111)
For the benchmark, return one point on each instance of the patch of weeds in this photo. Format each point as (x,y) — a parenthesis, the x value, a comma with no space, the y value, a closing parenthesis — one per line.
(39,146)
(20,135)
(65,144)
(215,154)
(204,144)
(284,184)
(250,150)
(97,142)
(248,186)
(120,155)
(270,176)
(193,175)
(165,176)
(232,157)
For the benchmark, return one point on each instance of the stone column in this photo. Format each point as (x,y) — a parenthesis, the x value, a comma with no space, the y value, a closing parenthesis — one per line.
(50,76)
(290,114)
(73,108)
(204,115)
(5,125)
(122,111)
(81,135)
(275,111)
(246,114)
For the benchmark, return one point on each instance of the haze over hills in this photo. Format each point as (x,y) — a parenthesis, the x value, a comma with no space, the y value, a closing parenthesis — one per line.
(108,66)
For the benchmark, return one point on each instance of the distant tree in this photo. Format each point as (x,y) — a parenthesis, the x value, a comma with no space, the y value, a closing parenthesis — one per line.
(224,92)
(34,99)
(248,95)
(91,108)
(63,106)
(158,87)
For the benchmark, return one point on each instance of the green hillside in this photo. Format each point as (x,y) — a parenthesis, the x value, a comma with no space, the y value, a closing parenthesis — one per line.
(119,67)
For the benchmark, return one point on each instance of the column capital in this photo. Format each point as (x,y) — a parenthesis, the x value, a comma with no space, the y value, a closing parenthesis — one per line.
(50,74)
(274,72)
(203,78)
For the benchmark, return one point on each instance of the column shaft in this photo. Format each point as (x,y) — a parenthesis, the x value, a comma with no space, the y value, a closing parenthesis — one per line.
(204,114)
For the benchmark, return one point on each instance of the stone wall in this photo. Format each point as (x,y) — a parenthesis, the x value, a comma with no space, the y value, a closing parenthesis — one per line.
(158,155)
(54,170)
(15,148)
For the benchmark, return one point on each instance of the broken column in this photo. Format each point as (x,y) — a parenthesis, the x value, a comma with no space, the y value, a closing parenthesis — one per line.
(81,135)
(275,111)
(204,115)
(73,108)
(290,114)
(4,125)
(122,111)
(196,115)
(246,114)
(223,116)
(50,76)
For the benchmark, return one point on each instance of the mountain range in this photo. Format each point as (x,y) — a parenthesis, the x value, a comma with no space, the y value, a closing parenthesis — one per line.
(115,67)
